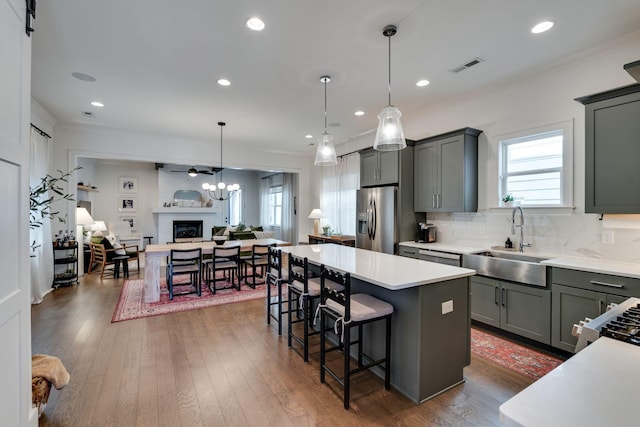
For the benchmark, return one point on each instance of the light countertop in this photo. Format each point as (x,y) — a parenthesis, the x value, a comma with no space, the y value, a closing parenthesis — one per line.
(618,268)
(444,247)
(596,387)
(385,270)
(603,266)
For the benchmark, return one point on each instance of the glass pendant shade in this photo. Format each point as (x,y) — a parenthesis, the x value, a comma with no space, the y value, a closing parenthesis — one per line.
(326,152)
(390,135)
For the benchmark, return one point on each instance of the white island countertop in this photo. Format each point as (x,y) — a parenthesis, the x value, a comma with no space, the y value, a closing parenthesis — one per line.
(596,387)
(385,270)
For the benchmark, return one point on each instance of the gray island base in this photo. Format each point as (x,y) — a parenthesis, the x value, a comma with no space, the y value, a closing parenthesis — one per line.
(430,337)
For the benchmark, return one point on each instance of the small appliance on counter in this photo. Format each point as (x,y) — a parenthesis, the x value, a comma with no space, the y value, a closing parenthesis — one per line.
(427,233)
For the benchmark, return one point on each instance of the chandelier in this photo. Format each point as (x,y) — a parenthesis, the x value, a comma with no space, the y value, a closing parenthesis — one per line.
(220,191)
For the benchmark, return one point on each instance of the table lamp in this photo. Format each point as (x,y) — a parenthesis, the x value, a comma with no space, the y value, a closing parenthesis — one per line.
(98,227)
(316,214)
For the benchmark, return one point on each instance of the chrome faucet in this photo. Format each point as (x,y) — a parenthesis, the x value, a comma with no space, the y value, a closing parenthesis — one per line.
(521,226)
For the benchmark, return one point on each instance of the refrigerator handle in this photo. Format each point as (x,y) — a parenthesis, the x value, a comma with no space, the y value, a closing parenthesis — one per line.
(374,224)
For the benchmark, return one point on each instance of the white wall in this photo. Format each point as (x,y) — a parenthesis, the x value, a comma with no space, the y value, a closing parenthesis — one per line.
(77,141)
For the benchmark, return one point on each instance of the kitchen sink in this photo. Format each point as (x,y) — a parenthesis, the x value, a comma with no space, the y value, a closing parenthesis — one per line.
(513,266)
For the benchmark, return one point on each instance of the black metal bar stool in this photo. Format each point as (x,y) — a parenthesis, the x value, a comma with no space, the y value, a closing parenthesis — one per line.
(350,311)
(276,276)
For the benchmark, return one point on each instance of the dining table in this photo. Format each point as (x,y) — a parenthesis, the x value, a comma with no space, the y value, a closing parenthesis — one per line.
(154,254)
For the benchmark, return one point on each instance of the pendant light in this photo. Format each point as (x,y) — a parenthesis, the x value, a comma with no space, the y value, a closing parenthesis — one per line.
(389,136)
(220,191)
(326,152)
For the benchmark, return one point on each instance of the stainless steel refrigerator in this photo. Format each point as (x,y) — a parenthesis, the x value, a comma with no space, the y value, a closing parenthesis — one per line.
(377,217)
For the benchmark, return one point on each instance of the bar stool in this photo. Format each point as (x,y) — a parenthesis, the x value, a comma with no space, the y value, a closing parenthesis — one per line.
(350,310)
(302,292)
(276,276)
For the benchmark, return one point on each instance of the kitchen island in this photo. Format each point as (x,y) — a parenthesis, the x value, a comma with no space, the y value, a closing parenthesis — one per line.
(430,338)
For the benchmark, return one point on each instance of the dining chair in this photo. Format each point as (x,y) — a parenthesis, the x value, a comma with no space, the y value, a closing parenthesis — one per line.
(258,262)
(225,260)
(185,262)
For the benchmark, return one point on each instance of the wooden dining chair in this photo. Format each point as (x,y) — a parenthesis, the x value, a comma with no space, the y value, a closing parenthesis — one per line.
(104,257)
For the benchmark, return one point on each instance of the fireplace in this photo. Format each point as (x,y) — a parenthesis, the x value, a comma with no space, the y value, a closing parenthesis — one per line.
(187,231)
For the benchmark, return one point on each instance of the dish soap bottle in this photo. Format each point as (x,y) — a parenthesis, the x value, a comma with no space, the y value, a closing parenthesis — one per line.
(508,243)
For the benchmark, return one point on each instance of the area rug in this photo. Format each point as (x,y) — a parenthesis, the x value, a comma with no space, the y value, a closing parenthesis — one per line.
(524,360)
(131,305)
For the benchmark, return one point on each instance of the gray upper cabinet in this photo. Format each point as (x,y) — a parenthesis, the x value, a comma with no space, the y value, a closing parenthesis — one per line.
(446,172)
(379,168)
(612,150)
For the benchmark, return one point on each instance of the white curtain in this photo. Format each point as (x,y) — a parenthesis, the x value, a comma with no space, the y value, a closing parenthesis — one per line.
(338,194)
(42,256)
(287,232)
(264,202)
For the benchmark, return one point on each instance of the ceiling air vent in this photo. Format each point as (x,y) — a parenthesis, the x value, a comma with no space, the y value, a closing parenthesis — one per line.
(474,61)
(88,114)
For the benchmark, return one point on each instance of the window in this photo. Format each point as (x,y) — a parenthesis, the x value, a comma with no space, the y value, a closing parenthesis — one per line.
(275,206)
(236,213)
(535,166)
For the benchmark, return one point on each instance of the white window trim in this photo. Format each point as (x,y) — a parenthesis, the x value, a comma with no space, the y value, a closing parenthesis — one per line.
(567,164)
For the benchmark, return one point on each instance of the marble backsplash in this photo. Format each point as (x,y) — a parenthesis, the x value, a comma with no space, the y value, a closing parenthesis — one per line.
(575,234)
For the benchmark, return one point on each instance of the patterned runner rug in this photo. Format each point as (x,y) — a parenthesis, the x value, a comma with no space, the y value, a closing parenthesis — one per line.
(131,305)
(524,360)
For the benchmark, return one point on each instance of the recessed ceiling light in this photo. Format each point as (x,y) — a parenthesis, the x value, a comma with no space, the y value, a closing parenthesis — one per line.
(97,104)
(84,77)
(542,27)
(359,113)
(422,83)
(308,136)
(255,24)
(224,82)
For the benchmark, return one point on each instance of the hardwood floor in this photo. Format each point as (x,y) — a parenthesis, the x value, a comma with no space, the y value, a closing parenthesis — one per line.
(221,366)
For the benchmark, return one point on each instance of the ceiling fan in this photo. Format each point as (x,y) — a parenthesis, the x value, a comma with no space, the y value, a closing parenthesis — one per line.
(192,171)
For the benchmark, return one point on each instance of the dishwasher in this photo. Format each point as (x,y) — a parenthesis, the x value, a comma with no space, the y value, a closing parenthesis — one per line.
(440,257)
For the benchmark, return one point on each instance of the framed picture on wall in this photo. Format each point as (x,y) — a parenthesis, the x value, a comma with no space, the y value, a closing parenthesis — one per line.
(131,219)
(128,184)
(127,204)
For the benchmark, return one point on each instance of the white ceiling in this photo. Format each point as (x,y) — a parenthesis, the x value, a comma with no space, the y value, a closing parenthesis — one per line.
(157,61)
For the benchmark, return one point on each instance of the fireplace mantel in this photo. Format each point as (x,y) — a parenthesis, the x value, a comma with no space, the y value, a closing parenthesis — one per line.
(173,211)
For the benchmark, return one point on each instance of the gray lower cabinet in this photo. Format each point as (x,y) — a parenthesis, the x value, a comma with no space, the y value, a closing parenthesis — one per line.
(408,251)
(513,307)
(579,294)
(446,172)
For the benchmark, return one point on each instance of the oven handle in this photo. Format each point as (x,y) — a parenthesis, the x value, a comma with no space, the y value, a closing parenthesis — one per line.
(611,285)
